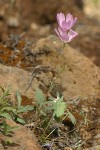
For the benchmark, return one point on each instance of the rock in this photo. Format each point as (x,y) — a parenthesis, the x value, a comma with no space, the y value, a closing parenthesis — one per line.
(22,138)
(17,78)
(34,26)
(79,78)
(12,22)
(91,9)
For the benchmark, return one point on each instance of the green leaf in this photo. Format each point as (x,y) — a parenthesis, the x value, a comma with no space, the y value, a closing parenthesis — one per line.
(10,129)
(48,105)
(3,97)
(8,141)
(23,109)
(72,118)
(21,121)
(9,109)
(2,88)
(59,108)
(6,91)
(40,96)
(6,115)
(19,99)
(6,129)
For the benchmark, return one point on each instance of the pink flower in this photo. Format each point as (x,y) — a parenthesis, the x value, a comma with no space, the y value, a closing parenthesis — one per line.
(65,36)
(66,22)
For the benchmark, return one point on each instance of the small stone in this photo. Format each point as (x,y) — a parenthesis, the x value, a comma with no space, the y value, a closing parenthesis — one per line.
(34,26)
(2,13)
(13,22)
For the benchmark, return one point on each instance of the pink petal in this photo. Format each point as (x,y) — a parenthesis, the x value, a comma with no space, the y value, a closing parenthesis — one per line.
(62,34)
(60,18)
(69,18)
(72,34)
(56,30)
(61,31)
(66,25)
(65,38)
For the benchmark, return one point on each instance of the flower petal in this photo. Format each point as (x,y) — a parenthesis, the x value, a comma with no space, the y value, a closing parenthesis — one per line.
(65,38)
(61,31)
(60,18)
(69,17)
(72,34)
(66,25)
(63,35)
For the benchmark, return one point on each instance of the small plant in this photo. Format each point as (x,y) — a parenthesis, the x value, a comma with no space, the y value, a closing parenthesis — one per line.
(6,129)
(56,106)
(50,110)
(19,109)
(11,111)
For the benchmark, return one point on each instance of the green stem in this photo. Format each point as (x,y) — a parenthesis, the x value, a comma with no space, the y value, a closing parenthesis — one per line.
(64,44)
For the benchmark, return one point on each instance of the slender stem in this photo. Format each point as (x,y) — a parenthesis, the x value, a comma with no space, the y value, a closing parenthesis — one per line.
(48,124)
(64,44)
(50,133)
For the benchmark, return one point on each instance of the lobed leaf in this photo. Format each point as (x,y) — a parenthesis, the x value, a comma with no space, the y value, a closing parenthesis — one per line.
(6,115)
(40,96)
(59,108)
(9,109)
(23,109)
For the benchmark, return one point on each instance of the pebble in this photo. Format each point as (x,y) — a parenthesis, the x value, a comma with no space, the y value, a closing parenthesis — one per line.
(13,22)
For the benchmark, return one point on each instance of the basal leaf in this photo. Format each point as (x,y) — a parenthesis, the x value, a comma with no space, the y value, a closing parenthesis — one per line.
(8,108)
(6,115)
(23,109)
(59,108)
(20,121)
(72,118)
(40,96)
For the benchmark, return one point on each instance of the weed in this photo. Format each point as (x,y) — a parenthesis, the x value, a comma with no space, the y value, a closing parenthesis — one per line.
(11,111)
(50,110)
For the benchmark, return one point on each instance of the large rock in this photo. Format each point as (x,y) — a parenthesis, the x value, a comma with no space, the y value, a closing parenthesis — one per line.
(17,78)
(22,138)
(79,78)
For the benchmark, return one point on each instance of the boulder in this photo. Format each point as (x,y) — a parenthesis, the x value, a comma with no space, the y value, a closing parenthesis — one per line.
(80,77)
(22,138)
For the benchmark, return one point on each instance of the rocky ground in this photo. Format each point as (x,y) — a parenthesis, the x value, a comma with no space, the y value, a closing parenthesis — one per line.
(31,56)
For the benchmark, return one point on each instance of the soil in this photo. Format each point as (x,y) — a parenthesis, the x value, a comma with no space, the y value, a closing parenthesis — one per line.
(23,25)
